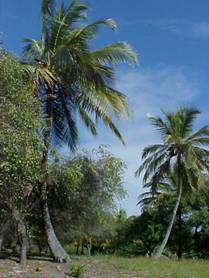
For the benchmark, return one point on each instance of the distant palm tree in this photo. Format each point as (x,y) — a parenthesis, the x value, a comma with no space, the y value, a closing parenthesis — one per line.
(165,195)
(71,79)
(182,152)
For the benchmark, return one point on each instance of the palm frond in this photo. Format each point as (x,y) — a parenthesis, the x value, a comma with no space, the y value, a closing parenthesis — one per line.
(87,120)
(115,53)
(188,116)
(33,50)
(204,131)
(152,149)
(160,125)
(75,12)
(47,10)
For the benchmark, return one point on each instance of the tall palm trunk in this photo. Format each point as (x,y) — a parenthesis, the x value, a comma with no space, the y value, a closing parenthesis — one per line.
(170,226)
(179,253)
(58,252)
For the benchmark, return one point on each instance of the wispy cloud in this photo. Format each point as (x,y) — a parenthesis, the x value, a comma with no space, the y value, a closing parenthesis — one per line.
(148,91)
(201,29)
(181,27)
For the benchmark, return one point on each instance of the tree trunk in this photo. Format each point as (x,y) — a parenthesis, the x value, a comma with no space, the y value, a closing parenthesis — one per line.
(4,231)
(179,253)
(82,248)
(1,241)
(170,226)
(22,234)
(58,252)
(77,247)
(24,245)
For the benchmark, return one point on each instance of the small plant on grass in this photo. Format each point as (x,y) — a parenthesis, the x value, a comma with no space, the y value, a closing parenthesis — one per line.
(77,271)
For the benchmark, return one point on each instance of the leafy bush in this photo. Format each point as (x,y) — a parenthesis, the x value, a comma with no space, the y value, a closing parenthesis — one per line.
(77,271)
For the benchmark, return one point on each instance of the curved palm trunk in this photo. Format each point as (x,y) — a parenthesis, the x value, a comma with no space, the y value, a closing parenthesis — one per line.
(58,252)
(170,226)
(179,253)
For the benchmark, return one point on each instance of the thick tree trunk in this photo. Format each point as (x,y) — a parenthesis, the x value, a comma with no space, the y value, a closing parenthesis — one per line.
(179,253)
(22,234)
(170,226)
(56,248)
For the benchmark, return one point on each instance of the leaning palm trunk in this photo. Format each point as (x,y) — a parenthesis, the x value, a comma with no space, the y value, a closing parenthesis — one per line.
(170,226)
(58,252)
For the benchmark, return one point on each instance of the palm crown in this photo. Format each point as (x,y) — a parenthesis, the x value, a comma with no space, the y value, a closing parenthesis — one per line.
(181,148)
(72,77)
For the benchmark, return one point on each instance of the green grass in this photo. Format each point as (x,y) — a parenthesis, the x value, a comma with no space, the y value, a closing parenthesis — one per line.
(112,266)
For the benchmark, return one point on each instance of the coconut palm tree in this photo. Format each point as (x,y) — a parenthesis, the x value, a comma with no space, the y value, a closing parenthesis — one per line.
(165,195)
(182,152)
(72,79)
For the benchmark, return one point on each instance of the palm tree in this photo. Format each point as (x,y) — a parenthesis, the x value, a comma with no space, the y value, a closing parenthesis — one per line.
(182,152)
(165,195)
(71,79)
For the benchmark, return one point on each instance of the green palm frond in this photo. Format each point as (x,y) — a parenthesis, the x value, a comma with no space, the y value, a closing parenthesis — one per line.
(47,10)
(202,132)
(87,120)
(151,150)
(115,53)
(99,111)
(75,12)
(80,36)
(160,125)
(188,115)
(33,49)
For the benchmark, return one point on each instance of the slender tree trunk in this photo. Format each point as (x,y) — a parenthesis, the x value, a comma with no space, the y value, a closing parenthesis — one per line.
(77,247)
(24,245)
(82,248)
(59,254)
(89,248)
(179,253)
(56,248)
(1,241)
(22,234)
(170,226)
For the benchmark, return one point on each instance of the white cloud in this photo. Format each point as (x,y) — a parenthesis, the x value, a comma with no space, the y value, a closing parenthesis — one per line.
(201,29)
(148,91)
(181,27)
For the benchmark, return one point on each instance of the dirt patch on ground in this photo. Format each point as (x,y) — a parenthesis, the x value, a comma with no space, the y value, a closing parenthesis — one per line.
(46,269)
(34,269)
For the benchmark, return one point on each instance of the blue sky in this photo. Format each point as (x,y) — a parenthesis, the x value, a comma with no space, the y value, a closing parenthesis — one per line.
(172,41)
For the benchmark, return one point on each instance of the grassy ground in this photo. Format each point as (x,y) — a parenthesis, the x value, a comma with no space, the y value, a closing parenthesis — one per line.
(109,267)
